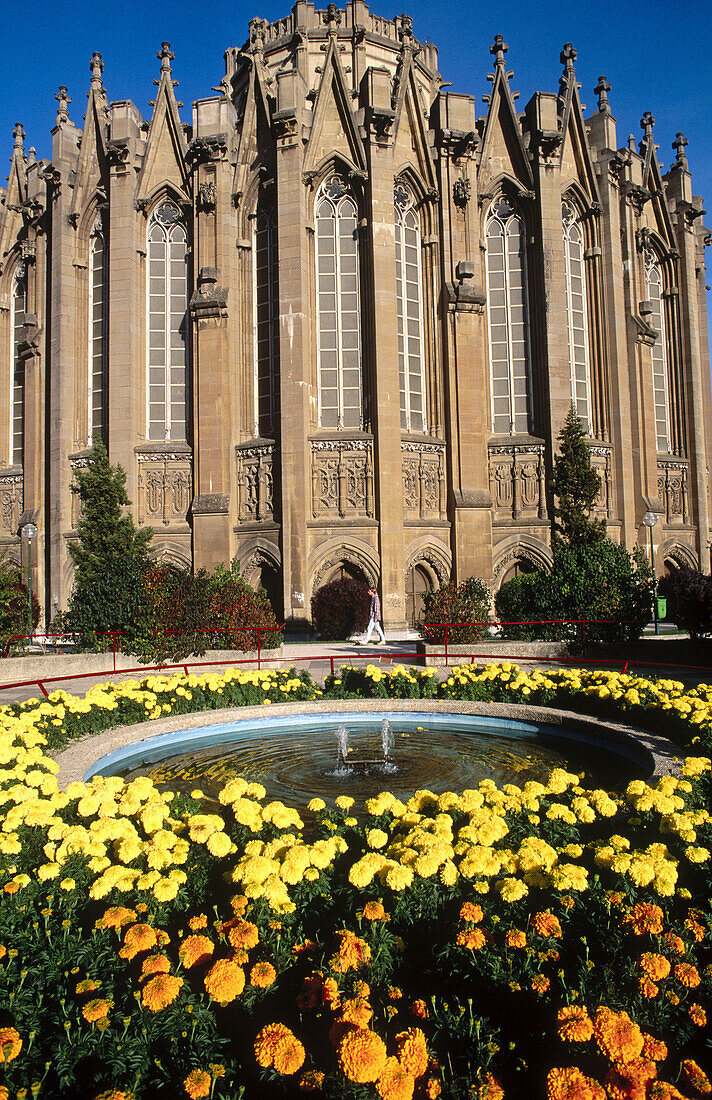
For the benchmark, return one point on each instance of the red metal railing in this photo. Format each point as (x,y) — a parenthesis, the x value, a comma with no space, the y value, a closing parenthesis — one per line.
(430,627)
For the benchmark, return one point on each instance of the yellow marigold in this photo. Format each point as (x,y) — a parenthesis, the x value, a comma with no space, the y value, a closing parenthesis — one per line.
(569,1083)
(139,937)
(471,912)
(618,1037)
(156,964)
(575,1025)
(395,1083)
(373,911)
(515,938)
(656,967)
(412,1051)
(546,924)
(473,938)
(687,975)
(313,1079)
(362,1055)
(10,1044)
(356,1011)
(95,1010)
(224,981)
(161,991)
(194,950)
(197,1084)
(87,986)
(696,1077)
(116,917)
(262,975)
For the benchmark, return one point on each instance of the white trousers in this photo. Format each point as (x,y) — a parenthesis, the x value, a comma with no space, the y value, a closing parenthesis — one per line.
(371,624)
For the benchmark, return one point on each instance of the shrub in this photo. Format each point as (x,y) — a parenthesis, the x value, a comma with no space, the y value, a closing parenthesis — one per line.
(518,601)
(594,581)
(341,608)
(468,603)
(14,605)
(689,596)
(576,485)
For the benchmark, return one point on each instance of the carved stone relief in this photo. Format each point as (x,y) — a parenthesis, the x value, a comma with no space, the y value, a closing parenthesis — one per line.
(517,480)
(255,483)
(165,487)
(424,489)
(10,503)
(342,478)
(673,490)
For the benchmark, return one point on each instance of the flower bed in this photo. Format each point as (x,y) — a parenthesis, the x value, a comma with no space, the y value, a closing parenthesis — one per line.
(549,940)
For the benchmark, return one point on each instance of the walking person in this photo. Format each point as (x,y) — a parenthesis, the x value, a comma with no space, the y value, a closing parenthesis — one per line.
(374,619)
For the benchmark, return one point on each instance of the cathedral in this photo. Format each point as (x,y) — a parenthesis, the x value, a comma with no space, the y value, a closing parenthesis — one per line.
(333,325)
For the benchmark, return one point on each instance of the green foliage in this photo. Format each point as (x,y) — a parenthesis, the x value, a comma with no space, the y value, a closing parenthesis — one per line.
(594,580)
(15,605)
(110,556)
(340,609)
(575,485)
(689,596)
(468,602)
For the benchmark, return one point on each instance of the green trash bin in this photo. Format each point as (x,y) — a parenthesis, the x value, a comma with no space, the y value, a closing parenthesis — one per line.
(662,607)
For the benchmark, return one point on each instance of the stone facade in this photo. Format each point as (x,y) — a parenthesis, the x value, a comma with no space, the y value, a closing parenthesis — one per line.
(334,325)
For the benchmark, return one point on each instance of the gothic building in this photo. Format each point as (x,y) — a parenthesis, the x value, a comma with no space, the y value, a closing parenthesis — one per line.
(334,324)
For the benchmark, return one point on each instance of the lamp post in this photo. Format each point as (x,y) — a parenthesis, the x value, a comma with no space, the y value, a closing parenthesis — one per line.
(649,520)
(28,532)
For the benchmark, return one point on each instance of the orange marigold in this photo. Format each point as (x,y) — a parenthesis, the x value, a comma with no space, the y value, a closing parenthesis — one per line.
(116,917)
(687,975)
(656,967)
(311,1081)
(540,983)
(433,1088)
(546,924)
(655,1049)
(515,938)
(137,938)
(696,1077)
(696,929)
(663,1090)
(10,1044)
(155,964)
(569,1083)
(108,1094)
(87,986)
(648,989)
(95,1010)
(373,910)
(618,1037)
(698,1015)
(353,952)
(262,975)
(194,950)
(395,1083)
(575,1024)
(357,1011)
(310,995)
(412,1051)
(474,939)
(198,922)
(197,1084)
(630,1081)
(276,1046)
(161,991)
(471,912)
(224,981)
(488,1089)
(645,917)
(241,933)
(419,1009)
(362,1055)
(674,943)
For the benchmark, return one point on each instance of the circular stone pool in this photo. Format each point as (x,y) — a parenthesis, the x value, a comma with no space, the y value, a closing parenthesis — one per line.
(296,757)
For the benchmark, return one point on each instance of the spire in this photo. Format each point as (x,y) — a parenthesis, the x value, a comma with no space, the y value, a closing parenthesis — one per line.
(96,67)
(405,28)
(332,18)
(258,35)
(64,100)
(681,156)
(498,49)
(646,124)
(19,139)
(568,78)
(32,155)
(601,90)
(165,55)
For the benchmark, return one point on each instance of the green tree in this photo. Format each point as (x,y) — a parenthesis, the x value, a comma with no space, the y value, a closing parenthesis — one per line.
(576,485)
(110,555)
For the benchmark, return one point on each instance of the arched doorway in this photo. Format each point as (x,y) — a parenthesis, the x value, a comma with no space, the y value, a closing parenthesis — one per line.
(518,568)
(345,571)
(269,581)
(419,580)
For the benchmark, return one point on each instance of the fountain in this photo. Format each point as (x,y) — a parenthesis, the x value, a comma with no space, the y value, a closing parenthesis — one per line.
(349,765)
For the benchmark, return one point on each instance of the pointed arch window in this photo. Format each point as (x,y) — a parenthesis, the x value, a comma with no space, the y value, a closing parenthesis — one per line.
(98,342)
(18,309)
(167,373)
(508,319)
(577,314)
(659,350)
(266,321)
(338,307)
(409,302)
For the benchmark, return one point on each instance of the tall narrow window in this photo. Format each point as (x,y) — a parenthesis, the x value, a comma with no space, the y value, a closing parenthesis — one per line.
(98,344)
(508,316)
(18,307)
(266,321)
(410,312)
(576,314)
(167,374)
(661,393)
(338,307)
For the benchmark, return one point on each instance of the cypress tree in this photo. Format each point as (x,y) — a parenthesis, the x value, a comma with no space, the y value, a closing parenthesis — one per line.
(576,486)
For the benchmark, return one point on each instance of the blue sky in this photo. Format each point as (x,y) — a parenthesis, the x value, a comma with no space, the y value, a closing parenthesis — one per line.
(656,56)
